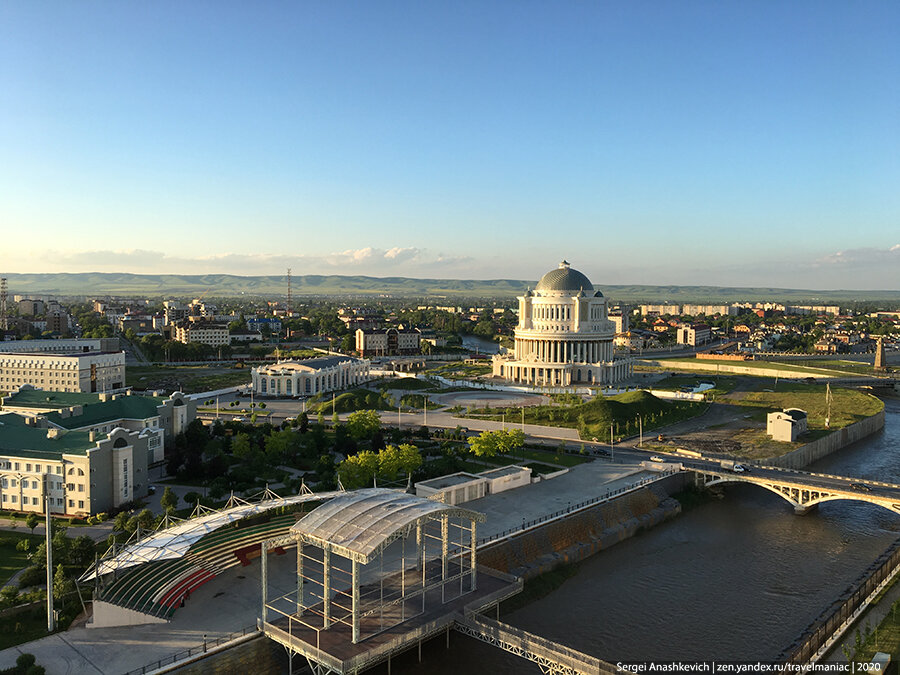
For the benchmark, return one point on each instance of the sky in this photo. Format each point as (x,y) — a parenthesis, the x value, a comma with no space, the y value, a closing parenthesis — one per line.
(715,143)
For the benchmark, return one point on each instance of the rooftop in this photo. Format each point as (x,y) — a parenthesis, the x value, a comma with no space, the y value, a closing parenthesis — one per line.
(360,524)
(306,364)
(48,400)
(564,278)
(121,408)
(448,481)
(19,439)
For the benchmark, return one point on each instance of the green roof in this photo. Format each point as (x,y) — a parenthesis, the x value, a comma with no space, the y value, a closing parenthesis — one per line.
(17,439)
(38,398)
(122,408)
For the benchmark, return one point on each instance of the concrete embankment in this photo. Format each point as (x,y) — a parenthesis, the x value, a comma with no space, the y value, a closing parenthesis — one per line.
(584,533)
(822,447)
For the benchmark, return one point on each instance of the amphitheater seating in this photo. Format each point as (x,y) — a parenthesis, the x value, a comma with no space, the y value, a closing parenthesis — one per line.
(158,588)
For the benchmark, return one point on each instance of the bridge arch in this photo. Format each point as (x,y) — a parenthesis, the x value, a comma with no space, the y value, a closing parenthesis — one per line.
(801,505)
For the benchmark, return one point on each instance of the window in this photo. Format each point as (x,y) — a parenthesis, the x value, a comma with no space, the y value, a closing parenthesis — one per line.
(70,487)
(34,485)
(34,501)
(14,499)
(81,487)
(37,468)
(71,503)
(59,469)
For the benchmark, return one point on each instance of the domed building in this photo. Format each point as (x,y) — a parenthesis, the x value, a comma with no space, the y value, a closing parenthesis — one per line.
(564,336)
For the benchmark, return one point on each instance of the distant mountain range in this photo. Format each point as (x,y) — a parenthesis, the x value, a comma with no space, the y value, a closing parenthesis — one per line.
(229,285)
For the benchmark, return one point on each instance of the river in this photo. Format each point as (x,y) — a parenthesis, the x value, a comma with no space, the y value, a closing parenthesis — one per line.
(737,578)
(480,344)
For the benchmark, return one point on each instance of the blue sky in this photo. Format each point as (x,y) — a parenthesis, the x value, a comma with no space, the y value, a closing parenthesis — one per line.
(729,143)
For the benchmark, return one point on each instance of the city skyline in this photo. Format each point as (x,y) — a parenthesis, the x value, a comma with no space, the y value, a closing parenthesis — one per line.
(704,143)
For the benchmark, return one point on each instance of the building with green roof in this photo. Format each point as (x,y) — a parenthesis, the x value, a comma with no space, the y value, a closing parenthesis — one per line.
(71,472)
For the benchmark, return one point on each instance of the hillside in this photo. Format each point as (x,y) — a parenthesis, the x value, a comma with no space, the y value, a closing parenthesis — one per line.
(227,285)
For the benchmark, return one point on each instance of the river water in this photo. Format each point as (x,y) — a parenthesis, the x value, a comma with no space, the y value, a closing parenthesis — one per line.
(737,578)
(480,344)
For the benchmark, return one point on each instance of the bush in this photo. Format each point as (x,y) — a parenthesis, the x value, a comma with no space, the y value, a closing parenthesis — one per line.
(32,576)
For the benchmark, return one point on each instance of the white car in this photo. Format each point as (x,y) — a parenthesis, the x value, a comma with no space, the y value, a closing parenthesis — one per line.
(657,458)
(738,468)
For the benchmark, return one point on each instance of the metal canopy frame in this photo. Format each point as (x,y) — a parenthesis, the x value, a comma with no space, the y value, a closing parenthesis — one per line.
(174,537)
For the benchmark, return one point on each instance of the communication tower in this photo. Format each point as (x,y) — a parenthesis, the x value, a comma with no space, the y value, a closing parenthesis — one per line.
(289,291)
(3,297)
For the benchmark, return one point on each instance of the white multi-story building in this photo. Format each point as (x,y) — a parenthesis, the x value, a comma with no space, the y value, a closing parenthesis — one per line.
(77,372)
(564,335)
(204,332)
(710,310)
(310,376)
(660,309)
(61,346)
(697,334)
(388,341)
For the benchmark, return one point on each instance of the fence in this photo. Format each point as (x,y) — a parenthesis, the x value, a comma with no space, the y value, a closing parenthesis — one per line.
(844,611)
(194,651)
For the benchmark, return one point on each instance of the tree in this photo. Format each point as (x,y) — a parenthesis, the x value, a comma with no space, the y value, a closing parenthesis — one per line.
(169,500)
(62,585)
(303,420)
(191,497)
(240,446)
(121,520)
(359,470)
(501,442)
(31,521)
(320,418)
(363,424)
(404,458)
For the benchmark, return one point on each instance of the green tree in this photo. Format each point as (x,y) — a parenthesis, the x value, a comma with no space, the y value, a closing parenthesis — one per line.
(500,442)
(121,520)
(169,500)
(240,446)
(358,470)
(363,424)
(320,418)
(62,585)
(303,420)
(32,521)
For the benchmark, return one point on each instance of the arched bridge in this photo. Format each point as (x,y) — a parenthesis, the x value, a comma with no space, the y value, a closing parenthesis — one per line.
(804,490)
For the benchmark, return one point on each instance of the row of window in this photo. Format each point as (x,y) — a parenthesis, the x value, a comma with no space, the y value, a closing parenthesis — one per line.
(27,484)
(14,499)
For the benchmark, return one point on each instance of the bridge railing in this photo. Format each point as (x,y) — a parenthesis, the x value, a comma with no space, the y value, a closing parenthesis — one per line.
(207,646)
(854,479)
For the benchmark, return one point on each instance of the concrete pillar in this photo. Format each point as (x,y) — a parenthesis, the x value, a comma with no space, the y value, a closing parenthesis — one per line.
(326,587)
(354,580)
(445,551)
(420,550)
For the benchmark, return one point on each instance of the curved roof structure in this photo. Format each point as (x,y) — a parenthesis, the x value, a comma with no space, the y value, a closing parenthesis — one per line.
(358,525)
(174,541)
(564,278)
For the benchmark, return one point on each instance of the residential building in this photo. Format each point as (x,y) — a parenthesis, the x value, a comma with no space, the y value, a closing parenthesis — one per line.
(564,335)
(78,372)
(710,310)
(694,335)
(175,311)
(388,342)
(649,310)
(204,332)
(86,472)
(29,307)
(258,324)
(309,376)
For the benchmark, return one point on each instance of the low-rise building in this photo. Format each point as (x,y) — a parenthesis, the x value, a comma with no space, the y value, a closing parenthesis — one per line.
(86,473)
(786,425)
(76,372)
(461,487)
(309,376)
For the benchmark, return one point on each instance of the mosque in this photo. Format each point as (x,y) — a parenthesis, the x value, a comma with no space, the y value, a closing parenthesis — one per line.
(564,336)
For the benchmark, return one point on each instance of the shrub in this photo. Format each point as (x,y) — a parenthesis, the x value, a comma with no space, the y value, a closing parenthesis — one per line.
(32,576)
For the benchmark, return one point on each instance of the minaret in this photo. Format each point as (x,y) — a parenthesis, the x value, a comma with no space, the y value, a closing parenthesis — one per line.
(879,354)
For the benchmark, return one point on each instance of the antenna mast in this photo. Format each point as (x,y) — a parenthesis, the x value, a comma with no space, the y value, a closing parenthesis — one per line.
(4,324)
(289,292)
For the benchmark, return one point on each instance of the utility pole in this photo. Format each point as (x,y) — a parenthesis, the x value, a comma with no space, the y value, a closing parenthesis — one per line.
(51,615)
(398,417)
(641,431)
(612,453)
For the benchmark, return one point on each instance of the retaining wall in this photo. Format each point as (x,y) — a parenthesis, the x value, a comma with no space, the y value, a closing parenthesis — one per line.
(811,452)
(257,655)
(586,532)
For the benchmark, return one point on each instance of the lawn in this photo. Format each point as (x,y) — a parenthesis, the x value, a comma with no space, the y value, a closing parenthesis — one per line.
(11,560)
(789,368)
(459,369)
(835,364)
(847,405)
(883,638)
(724,385)
(406,384)
(190,379)
(593,418)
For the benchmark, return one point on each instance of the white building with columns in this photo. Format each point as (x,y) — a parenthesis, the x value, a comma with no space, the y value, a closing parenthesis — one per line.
(564,336)
(309,376)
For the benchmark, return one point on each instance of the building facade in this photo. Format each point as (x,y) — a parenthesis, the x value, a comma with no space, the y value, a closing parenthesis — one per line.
(310,376)
(204,332)
(61,346)
(85,473)
(388,342)
(77,372)
(564,335)
(698,334)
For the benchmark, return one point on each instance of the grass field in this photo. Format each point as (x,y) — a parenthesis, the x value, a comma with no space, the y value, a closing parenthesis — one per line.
(594,418)
(724,385)
(190,379)
(11,560)
(847,406)
(834,364)
(791,369)
(883,638)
